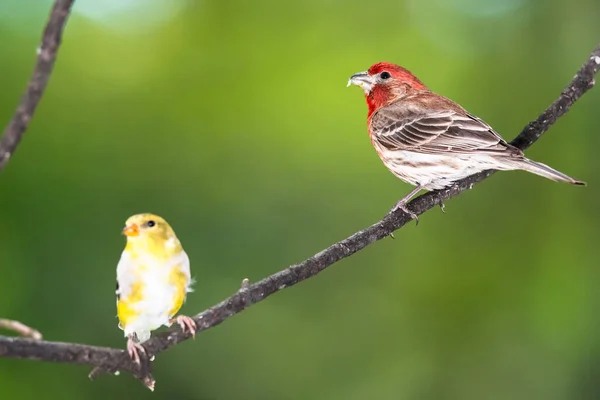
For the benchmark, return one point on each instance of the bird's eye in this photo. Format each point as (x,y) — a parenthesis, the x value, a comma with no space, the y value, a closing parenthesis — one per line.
(385,75)
(150,223)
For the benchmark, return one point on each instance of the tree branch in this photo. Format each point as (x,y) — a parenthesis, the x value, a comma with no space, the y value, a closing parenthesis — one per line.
(113,360)
(20,328)
(46,55)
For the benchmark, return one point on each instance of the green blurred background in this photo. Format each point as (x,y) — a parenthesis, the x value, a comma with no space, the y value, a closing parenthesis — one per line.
(232,120)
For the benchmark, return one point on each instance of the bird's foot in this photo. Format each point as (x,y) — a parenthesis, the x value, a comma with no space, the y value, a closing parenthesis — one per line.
(404,201)
(443,207)
(186,323)
(401,205)
(134,349)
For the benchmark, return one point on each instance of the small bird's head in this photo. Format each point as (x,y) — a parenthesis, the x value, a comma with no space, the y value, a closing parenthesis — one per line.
(384,83)
(148,232)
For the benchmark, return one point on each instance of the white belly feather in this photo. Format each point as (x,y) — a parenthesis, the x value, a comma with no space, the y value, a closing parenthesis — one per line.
(436,171)
(158,293)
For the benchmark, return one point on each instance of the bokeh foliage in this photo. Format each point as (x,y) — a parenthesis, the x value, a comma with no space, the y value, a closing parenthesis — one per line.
(232,120)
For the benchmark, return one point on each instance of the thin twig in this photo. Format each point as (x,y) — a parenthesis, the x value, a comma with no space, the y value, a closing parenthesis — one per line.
(112,360)
(46,55)
(20,328)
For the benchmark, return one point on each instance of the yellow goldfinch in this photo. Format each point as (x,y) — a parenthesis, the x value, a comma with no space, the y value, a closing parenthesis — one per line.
(153,278)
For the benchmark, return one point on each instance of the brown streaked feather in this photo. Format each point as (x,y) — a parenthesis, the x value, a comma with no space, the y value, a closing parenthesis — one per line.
(413,125)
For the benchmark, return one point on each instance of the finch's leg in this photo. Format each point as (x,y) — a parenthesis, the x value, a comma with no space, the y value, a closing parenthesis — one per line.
(402,203)
(186,323)
(134,348)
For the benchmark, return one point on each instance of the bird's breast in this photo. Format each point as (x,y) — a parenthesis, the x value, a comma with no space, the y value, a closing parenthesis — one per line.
(153,293)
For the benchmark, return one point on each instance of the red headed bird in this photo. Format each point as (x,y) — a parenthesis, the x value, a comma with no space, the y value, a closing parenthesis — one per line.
(430,141)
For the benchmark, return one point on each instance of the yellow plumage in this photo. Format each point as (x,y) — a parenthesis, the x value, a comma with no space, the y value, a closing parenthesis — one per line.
(153,278)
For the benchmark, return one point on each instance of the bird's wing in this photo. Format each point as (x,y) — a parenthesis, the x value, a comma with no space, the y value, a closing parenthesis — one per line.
(126,275)
(182,263)
(435,131)
(179,276)
(129,289)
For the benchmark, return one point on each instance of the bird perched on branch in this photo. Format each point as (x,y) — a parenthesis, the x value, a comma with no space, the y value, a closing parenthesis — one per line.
(153,279)
(430,141)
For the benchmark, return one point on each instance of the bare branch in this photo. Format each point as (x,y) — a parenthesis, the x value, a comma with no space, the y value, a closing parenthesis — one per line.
(113,360)
(20,328)
(46,55)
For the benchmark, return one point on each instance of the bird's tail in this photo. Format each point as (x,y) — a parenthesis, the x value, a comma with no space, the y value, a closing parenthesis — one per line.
(547,172)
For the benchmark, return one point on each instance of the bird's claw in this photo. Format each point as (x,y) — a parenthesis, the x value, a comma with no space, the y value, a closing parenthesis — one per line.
(186,323)
(443,207)
(401,205)
(134,349)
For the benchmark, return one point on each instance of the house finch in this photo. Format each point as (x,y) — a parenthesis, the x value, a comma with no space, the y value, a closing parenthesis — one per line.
(430,141)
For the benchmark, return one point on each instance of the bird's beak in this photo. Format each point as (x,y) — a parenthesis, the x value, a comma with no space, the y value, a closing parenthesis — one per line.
(363,80)
(131,230)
